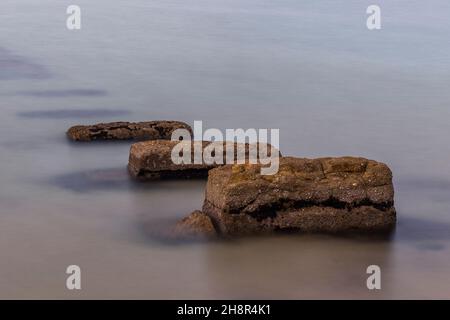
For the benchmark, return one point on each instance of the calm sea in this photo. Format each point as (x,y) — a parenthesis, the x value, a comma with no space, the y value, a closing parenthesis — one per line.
(310,68)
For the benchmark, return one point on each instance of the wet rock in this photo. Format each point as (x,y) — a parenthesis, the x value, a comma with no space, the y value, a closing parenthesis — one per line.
(150,130)
(94,180)
(151,160)
(196,226)
(15,67)
(306,195)
(65,93)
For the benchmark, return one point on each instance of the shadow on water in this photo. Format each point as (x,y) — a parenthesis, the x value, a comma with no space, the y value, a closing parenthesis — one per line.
(30,143)
(72,113)
(423,234)
(112,179)
(160,229)
(424,184)
(430,189)
(64,93)
(420,229)
(14,67)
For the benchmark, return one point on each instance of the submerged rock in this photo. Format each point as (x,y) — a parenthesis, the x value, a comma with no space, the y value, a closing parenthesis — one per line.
(306,195)
(151,160)
(196,226)
(150,130)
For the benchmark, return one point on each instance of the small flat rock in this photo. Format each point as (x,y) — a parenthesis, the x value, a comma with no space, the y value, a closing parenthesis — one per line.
(150,130)
(306,195)
(195,226)
(151,160)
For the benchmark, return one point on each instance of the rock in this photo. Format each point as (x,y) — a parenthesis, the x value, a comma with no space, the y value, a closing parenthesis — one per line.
(150,130)
(306,195)
(150,160)
(196,226)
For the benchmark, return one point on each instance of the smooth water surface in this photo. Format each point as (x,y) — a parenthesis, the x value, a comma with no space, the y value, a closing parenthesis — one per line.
(310,68)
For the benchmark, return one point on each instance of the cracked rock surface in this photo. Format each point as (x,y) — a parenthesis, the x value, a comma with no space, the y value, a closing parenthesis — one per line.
(150,130)
(306,195)
(151,160)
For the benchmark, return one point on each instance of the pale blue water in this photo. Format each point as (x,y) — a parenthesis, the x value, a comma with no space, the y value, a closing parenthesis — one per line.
(309,68)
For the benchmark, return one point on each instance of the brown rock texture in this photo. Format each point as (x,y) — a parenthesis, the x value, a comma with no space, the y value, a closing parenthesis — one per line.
(306,195)
(150,130)
(151,160)
(196,226)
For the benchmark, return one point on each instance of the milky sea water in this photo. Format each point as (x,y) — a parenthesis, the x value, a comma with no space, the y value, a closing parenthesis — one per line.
(310,68)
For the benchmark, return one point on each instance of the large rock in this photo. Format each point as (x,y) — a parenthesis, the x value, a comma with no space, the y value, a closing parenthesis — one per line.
(306,195)
(150,160)
(150,130)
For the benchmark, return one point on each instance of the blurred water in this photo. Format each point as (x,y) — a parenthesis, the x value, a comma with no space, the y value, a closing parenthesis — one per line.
(310,68)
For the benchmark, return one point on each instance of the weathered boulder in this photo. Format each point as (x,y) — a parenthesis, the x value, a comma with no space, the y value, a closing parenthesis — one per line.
(196,226)
(306,195)
(150,160)
(150,130)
